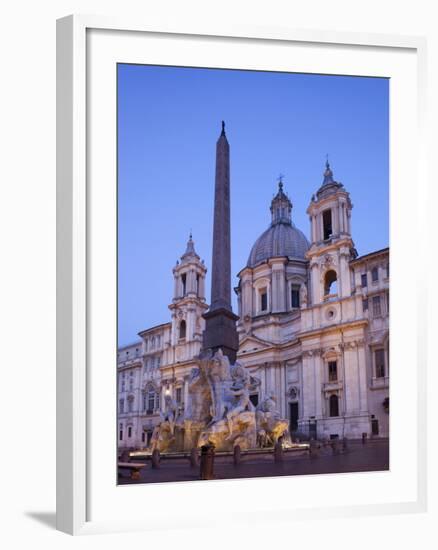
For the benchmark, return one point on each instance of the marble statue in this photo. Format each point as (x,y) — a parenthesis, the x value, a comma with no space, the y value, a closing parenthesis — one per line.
(199,402)
(270,425)
(217,368)
(170,412)
(303,295)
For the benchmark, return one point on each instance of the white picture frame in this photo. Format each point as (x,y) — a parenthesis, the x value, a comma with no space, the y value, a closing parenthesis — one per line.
(76,212)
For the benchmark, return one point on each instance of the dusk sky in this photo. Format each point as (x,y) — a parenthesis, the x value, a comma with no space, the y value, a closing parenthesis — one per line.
(169,120)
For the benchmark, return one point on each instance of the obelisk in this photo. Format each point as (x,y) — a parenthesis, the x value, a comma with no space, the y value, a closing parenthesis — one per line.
(220,321)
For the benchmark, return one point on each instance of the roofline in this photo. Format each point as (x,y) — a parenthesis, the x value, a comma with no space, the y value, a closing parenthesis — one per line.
(267,260)
(370,254)
(154,328)
(136,343)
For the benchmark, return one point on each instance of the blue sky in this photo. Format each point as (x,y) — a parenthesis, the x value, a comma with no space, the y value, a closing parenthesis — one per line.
(169,119)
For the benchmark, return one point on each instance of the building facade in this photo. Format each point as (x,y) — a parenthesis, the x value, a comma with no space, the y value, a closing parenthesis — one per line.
(313,328)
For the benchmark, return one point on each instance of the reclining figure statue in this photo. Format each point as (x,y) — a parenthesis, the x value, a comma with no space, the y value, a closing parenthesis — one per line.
(270,425)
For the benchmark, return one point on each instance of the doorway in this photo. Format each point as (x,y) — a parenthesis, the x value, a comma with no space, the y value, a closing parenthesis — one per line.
(293,417)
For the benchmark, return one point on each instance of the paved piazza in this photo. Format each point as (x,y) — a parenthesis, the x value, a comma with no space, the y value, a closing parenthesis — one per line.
(373,456)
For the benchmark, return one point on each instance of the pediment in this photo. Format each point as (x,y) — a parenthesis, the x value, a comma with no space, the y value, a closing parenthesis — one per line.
(252,343)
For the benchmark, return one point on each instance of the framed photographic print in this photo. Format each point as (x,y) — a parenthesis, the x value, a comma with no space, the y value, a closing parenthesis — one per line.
(233,207)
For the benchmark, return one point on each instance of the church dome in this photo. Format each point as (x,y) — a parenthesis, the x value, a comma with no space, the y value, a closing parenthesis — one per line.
(279,240)
(282,238)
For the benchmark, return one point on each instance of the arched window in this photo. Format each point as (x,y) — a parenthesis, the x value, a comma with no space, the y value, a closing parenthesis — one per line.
(263,294)
(334,405)
(327,224)
(295,296)
(182,329)
(330,283)
(184,283)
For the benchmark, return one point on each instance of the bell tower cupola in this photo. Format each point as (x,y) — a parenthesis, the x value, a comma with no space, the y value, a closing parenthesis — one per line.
(330,210)
(188,302)
(332,246)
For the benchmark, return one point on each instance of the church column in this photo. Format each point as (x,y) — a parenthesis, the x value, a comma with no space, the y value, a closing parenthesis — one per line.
(278,292)
(361,360)
(190,328)
(318,366)
(162,395)
(344,274)
(186,391)
(175,287)
(308,402)
(201,291)
(173,335)
(335,215)
(282,376)
(316,290)
(351,379)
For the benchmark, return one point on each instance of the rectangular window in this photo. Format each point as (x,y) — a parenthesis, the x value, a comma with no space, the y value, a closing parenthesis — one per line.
(143,437)
(374,274)
(377,310)
(121,432)
(295,296)
(387,270)
(379,357)
(365,304)
(364,280)
(130,405)
(178,395)
(332,371)
(129,431)
(263,299)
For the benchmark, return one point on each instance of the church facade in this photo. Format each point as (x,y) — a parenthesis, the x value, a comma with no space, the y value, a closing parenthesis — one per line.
(313,329)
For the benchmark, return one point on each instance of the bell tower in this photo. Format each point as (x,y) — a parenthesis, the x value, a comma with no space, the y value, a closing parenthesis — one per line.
(332,246)
(188,304)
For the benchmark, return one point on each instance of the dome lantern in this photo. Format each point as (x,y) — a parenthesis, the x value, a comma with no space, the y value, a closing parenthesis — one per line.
(282,238)
(281,206)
